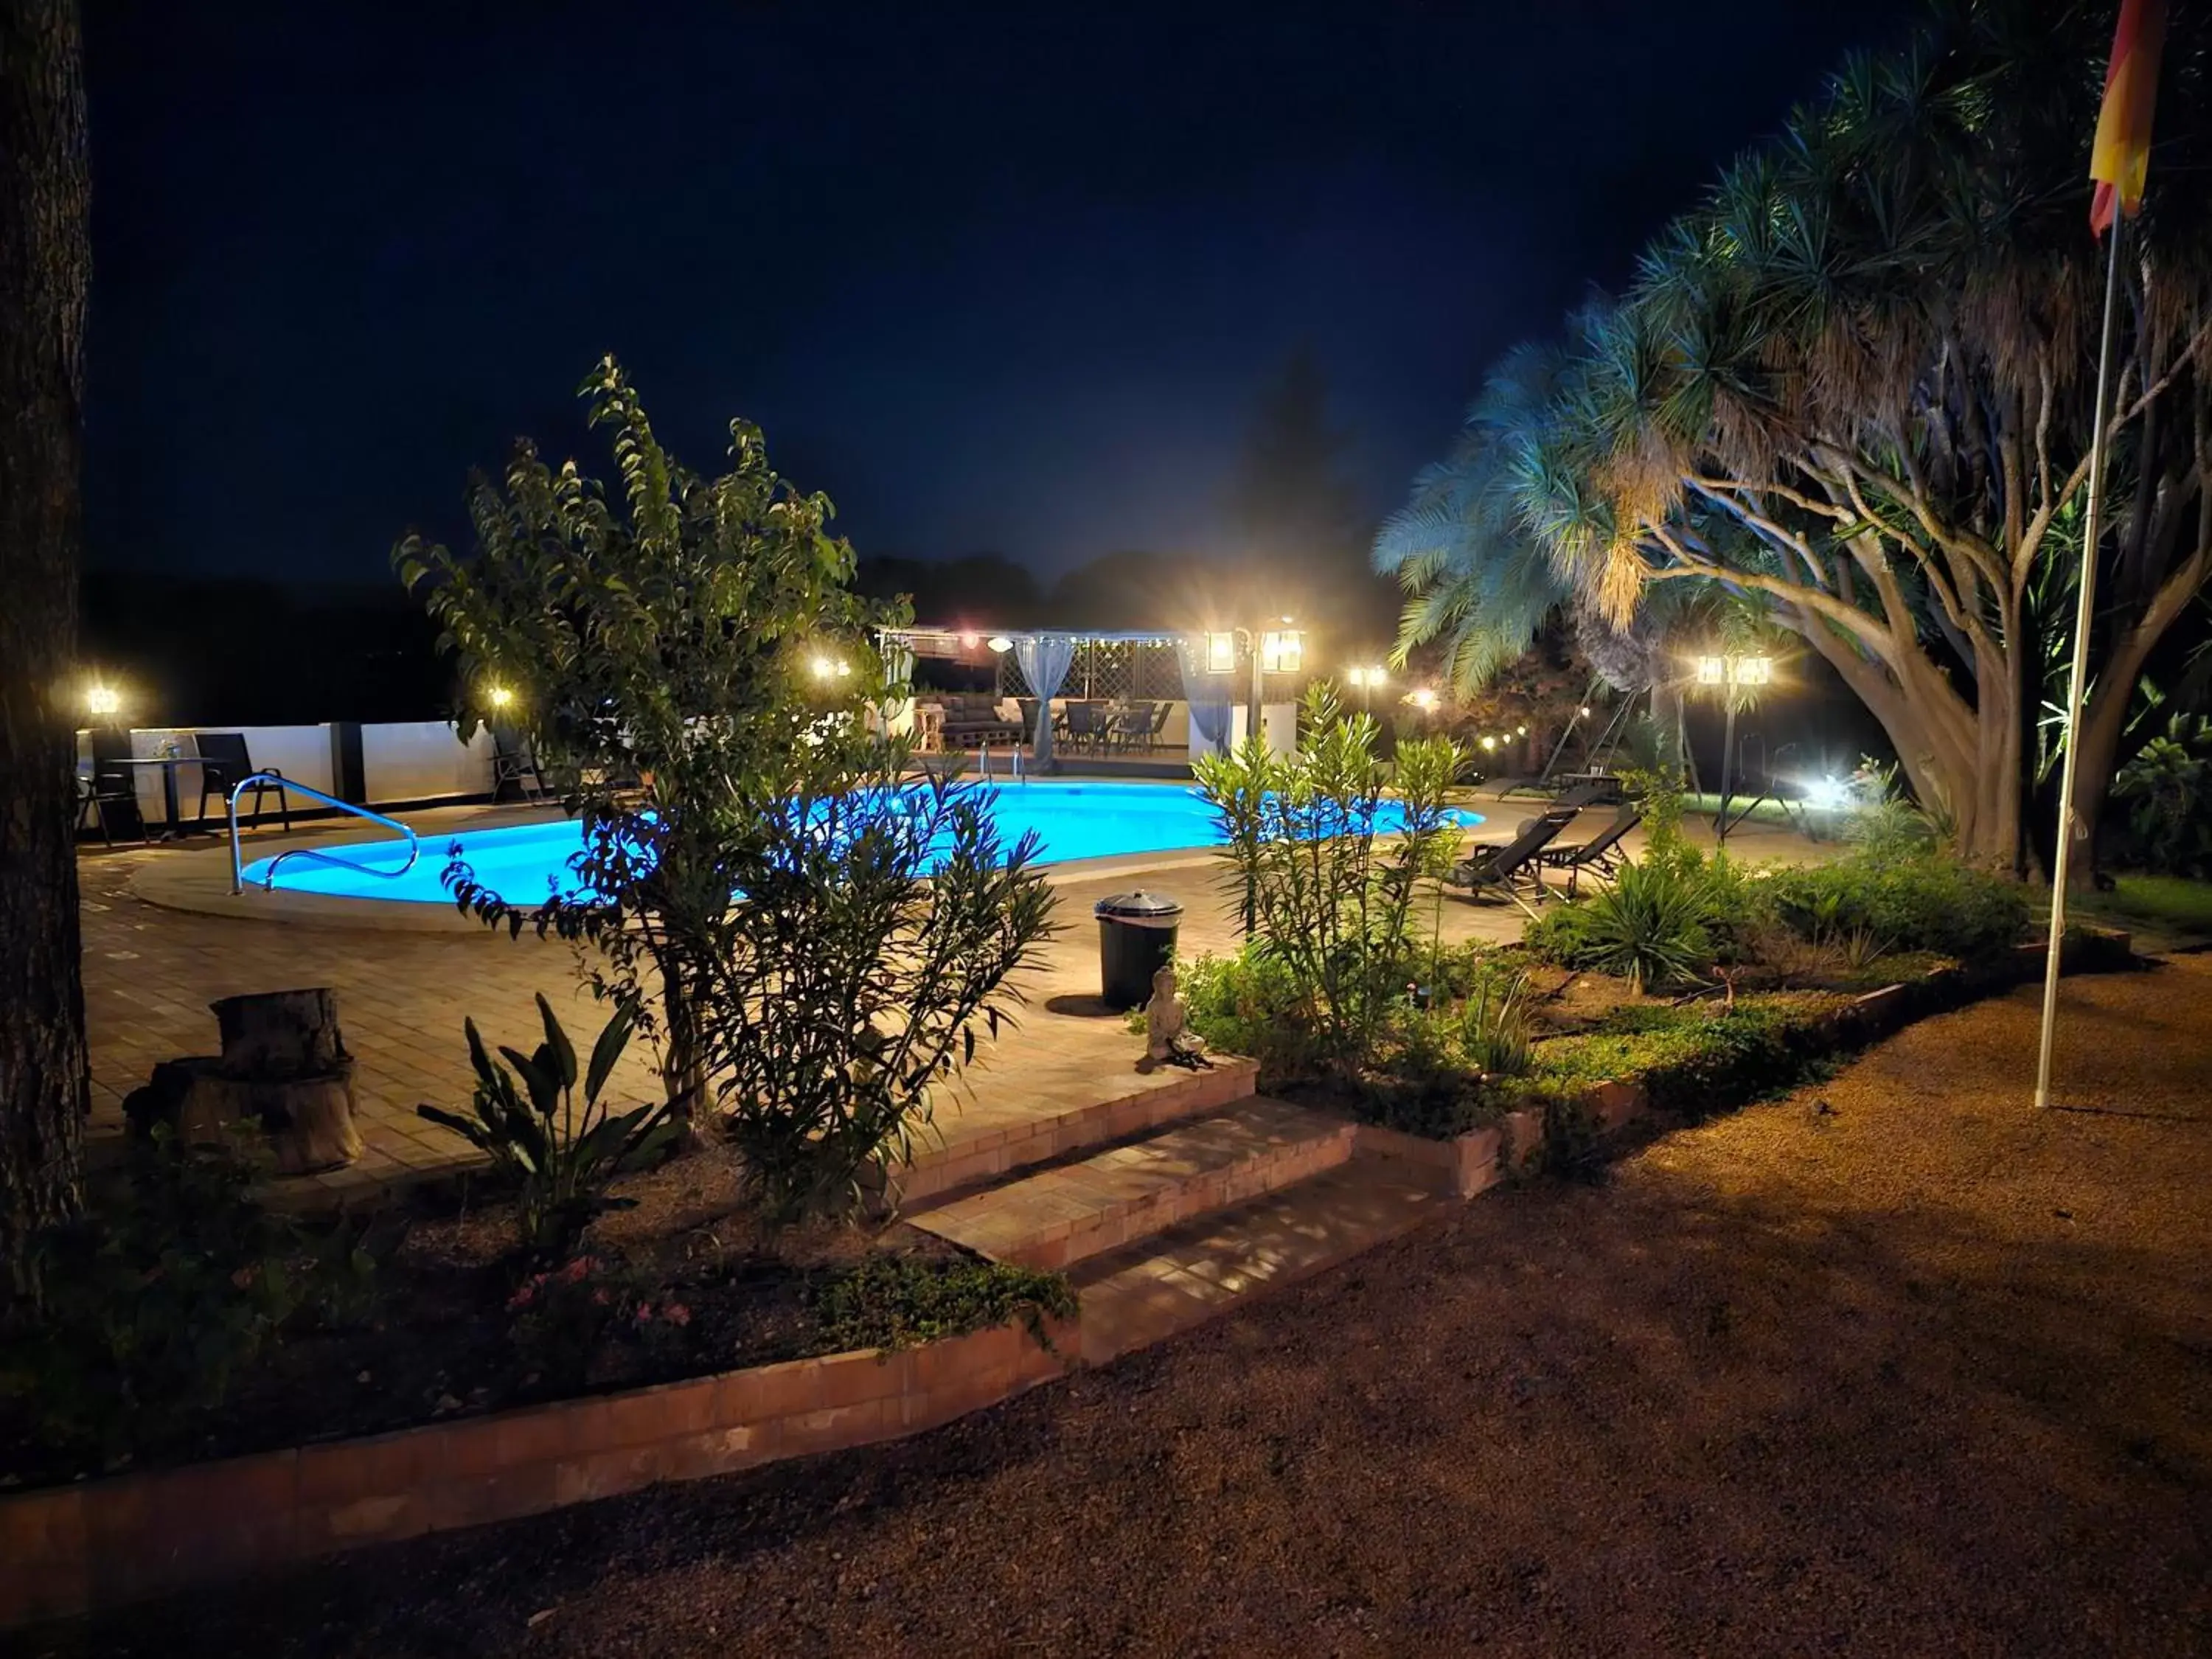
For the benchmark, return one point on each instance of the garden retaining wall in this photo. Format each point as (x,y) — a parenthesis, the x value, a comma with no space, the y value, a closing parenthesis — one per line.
(69,1550)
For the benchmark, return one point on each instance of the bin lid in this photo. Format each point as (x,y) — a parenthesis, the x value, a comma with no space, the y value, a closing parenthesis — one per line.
(1140,909)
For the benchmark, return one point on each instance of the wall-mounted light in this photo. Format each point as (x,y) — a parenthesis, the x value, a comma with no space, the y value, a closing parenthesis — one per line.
(969,641)
(1282,651)
(1220,653)
(103,700)
(1001,643)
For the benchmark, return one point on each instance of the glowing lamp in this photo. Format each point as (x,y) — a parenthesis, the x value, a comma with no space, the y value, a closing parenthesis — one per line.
(103,700)
(1220,653)
(1282,651)
(499,696)
(1000,643)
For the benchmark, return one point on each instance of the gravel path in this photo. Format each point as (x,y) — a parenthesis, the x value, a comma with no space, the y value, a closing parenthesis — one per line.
(1896,1365)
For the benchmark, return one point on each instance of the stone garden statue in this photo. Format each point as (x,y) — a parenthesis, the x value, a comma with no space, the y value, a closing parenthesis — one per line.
(1168,1040)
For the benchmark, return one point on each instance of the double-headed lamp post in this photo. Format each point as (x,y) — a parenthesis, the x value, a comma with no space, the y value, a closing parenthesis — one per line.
(1734,675)
(1271,650)
(1369,681)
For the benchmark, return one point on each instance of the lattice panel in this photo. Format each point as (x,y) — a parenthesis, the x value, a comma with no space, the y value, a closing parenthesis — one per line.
(1107,670)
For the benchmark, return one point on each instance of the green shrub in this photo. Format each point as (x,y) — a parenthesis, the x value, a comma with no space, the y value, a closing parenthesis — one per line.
(175,1279)
(898,1301)
(1323,888)
(1929,902)
(1688,1057)
(1493,1033)
(2168,788)
(563,1156)
(1248,1004)
(1657,924)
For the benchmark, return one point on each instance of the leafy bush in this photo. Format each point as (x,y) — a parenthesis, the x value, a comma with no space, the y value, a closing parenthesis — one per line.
(1248,1004)
(881,921)
(814,939)
(2168,789)
(898,1301)
(1323,890)
(564,1158)
(1689,1057)
(175,1280)
(1929,902)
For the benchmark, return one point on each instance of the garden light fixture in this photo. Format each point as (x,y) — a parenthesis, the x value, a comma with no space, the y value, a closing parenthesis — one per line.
(103,700)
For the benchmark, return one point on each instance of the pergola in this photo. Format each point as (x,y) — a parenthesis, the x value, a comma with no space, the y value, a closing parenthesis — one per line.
(1206,669)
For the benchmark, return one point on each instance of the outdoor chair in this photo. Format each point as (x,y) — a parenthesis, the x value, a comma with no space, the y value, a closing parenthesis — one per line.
(1161,711)
(225,764)
(1600,855)
(109,792)
(1513,868)
(513,761)
(1086,726)
(1132,726)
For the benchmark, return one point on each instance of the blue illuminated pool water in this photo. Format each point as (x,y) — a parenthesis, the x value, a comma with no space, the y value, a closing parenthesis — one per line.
(525,861)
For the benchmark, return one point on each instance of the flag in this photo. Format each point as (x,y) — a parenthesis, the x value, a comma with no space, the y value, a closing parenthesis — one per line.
(2121,156)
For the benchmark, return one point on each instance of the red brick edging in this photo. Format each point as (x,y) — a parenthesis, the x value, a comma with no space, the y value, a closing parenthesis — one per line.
(68,1550)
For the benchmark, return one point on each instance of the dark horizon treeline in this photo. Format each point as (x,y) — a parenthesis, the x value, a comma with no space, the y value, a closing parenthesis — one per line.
(251,650)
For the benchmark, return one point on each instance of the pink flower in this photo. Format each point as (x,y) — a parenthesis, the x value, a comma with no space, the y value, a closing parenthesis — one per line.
(644,1313)
(522,1297)
(576,1270)
(676,1314)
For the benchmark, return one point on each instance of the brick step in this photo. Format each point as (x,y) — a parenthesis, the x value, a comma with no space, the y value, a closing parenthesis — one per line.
(1077,1210)
(974,1147)
(1147,1292)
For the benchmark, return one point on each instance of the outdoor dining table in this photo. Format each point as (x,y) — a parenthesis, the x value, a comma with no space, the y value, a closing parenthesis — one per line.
(172,812)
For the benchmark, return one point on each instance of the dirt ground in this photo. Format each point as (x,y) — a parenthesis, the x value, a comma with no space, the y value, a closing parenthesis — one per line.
(1895,1365)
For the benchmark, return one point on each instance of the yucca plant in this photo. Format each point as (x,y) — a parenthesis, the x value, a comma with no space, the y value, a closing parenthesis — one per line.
(564,1155)
(1653,926)
(1494,1035)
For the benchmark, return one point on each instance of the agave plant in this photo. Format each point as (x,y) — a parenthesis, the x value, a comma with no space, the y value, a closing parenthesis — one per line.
(564,1155)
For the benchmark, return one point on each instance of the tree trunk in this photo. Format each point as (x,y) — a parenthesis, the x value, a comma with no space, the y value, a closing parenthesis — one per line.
(46,260)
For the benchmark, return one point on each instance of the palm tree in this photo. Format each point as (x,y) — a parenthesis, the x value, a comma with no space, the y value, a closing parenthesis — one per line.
(1853,385)
(1475,576)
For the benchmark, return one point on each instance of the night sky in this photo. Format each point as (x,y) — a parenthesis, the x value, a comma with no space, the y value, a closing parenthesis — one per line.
(1007,280)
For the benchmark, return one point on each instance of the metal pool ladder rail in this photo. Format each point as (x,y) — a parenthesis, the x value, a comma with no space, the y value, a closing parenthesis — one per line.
(238,863)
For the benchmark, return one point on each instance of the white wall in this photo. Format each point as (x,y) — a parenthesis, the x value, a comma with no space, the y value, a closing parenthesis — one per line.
(422,760)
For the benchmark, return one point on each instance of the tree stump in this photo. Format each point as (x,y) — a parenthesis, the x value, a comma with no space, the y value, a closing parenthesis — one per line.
(283,1066)
(271,1034)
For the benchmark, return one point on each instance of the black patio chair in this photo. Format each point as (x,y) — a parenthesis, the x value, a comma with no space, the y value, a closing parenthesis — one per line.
(1086,726)
(109,790)
(1513,868)
(1132,725)
(513,761)
(1161,711)
(225,764)
(1600,855)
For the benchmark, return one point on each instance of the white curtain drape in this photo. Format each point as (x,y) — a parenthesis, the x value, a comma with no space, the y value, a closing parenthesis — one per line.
(1211,696)
(1043,660)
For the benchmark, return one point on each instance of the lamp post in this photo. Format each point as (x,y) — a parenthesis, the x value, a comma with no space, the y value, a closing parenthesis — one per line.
(1367,679)
(1270,650)
(1737,674)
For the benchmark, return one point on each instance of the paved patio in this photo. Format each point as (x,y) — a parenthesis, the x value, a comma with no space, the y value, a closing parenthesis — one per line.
(407,975)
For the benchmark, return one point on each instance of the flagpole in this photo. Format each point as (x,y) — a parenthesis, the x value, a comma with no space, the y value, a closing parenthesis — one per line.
(2084,612)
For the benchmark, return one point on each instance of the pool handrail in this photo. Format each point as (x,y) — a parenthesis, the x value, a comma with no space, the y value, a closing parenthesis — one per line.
(269,880)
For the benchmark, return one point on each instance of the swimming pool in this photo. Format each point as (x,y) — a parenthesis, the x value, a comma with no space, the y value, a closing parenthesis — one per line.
(522,862)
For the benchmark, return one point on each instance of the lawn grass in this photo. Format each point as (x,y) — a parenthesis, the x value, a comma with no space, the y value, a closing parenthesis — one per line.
(2173,902)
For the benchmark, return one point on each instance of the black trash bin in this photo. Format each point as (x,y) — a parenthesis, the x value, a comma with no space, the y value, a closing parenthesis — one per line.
(1136,940)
